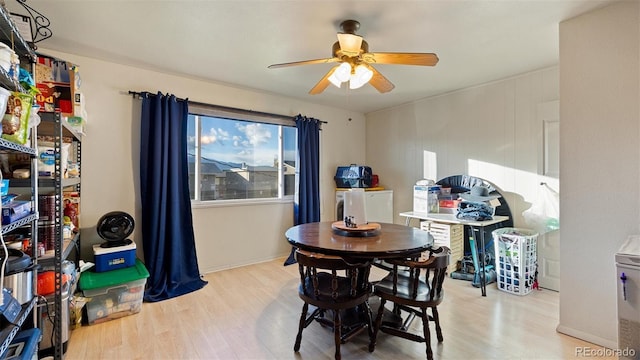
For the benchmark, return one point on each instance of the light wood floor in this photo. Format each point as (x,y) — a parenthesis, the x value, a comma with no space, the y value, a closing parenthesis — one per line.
(252,313)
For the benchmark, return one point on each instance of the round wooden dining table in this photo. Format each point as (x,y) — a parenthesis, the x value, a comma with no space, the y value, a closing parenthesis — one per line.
(390,241)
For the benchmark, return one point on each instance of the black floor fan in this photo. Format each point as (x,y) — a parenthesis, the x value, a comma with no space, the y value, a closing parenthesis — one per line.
(115,227)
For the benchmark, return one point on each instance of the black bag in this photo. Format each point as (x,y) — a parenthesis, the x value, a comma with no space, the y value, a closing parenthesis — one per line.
(353,176)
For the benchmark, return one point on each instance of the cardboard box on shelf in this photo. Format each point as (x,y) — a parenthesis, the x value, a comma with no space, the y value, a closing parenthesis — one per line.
(79,118)
(55,96)
(78,104)
(49,69)
(57,82)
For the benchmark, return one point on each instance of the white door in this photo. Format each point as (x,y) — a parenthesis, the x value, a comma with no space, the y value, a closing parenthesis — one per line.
(549,260)
(549,243)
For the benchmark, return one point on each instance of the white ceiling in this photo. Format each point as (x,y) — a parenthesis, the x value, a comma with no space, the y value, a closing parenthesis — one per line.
(233,42)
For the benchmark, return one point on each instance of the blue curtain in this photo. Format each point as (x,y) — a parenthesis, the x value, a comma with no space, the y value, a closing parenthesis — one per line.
(307,205)
(167,227)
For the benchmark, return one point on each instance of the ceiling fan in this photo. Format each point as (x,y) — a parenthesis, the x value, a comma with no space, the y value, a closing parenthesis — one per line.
(351,51)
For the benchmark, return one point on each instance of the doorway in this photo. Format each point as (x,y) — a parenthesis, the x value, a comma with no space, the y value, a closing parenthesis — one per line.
(549,243)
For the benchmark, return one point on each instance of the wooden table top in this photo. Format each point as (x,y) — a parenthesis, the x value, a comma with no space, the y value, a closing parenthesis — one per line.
(391,241)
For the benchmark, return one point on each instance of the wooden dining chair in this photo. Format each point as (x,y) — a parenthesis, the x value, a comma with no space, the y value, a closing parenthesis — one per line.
(335,285)
(413,286)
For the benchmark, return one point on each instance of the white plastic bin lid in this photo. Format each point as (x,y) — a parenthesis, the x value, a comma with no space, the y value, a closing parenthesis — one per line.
(631,246)
(629,252)
(97,250)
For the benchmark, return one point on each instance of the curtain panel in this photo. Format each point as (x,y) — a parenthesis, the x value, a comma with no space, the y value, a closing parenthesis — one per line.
(307,203)
(167,225)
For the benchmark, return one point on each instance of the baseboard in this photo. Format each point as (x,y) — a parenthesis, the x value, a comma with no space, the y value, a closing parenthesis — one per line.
(214,269)
(607,343)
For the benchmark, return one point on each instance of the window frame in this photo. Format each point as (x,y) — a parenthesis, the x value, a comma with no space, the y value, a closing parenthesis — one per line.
(205,110)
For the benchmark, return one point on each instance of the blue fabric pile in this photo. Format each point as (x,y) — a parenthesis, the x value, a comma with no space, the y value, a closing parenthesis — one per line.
(479,211)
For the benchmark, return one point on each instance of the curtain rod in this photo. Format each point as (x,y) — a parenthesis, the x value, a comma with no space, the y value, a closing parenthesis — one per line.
(228,108)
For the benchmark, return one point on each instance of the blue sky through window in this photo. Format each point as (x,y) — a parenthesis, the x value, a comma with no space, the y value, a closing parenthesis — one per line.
(233,141)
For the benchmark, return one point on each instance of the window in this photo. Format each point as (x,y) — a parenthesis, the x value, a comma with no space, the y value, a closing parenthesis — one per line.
(238,155)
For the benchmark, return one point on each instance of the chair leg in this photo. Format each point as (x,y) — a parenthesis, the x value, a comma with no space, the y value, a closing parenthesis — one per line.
(376,327)
(303,319)
(337,331)
(368,317)
(427,334)
(436,319)
(397,310)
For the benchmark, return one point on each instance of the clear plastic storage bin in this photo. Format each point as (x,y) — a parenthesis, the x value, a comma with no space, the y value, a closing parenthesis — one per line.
(115,293)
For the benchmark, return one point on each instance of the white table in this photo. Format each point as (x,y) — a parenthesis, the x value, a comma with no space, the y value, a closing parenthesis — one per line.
(452,219)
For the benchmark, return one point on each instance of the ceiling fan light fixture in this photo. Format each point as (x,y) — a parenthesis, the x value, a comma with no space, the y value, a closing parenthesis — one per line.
(350,44)
(341,74)
(361,76)
(351,52)
(332,79)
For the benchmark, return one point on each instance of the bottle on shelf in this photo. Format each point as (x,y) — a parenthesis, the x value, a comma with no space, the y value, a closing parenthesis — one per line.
(433,204)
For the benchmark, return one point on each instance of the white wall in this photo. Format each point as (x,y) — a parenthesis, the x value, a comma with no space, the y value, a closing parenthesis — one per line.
(494,131)
(491,131)
(225,236)
(599,153)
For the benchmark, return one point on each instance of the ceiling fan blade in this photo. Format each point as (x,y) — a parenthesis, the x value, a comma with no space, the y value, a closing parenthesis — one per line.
(378,81)
(350,44)
(323,83)
(305,62)
(424,59)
